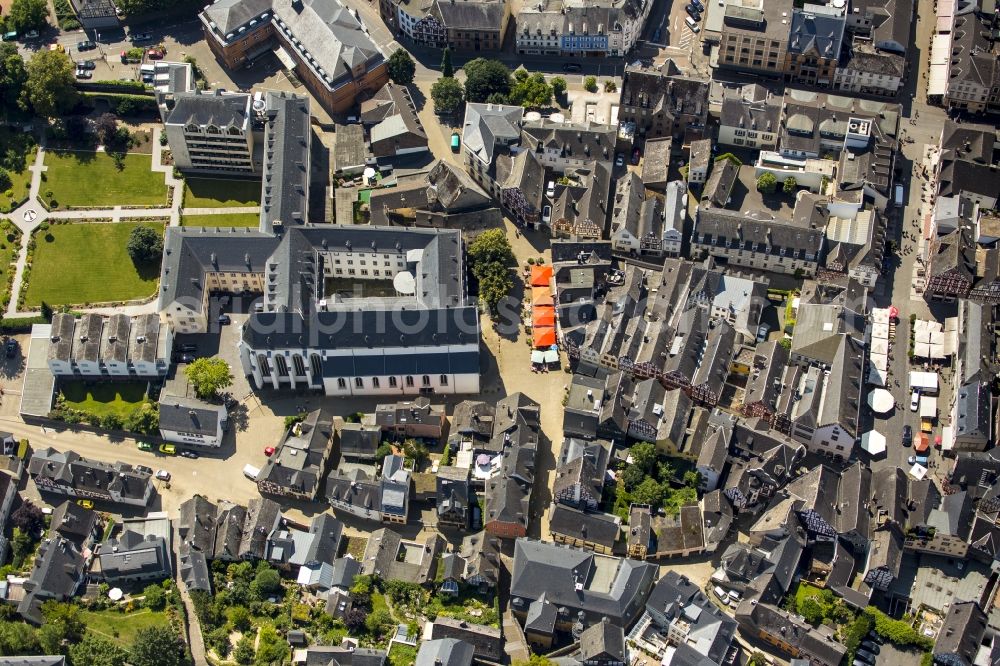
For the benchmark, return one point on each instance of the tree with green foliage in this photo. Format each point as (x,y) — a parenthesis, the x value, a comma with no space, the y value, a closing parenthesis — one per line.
(25,15)
(154,597)
(401,67)
(790,185)
(767,183)
(145,245)
(266,583)
(244,652)
(13,76)
(558,84)
(50,87)
(896,631)
(415,450)
(447,70)
(448,96)
(531,92)
(208,376)
(18,638)
(379,622)
(21,545)
(632,476)
(535,660)
(355,619)
(272,649)
(490,258)
(643,456)
(590,84)
(485,77)
(757,659)
(239,617)
(94,650)
(46,311)
(63,626)
(692,478)
(811,609)
(384,449)
(144,419)
(158,645)
(650,492)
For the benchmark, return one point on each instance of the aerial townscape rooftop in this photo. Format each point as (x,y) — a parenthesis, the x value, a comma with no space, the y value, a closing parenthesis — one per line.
(454,332)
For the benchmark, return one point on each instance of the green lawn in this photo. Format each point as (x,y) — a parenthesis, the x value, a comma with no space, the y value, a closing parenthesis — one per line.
(92,180)
(219,193)
(88,263)
(122,627)
(221,220)
(9,244)
(804,591)
(104,398)
(21,183)
(402,655)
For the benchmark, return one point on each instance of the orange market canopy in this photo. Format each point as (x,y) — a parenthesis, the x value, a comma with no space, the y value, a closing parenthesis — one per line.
(544,336)
(542,316)
(541,276)
(541,296)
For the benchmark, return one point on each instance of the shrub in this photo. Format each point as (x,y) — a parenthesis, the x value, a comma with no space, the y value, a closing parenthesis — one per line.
(767,183)
(590,84)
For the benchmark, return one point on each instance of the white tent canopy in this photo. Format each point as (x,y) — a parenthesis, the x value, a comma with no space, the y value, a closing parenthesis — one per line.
(880,401)
(927,381)
(918,472)
(873,442)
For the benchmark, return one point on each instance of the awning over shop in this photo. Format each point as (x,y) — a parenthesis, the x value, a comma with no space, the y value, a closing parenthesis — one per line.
(537,356)
(551,355)
(541,276)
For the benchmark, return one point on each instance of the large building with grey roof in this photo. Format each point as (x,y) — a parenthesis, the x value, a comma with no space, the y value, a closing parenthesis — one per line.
(210,132)
(320,40)
(113,347)
(578,585)
(347,310)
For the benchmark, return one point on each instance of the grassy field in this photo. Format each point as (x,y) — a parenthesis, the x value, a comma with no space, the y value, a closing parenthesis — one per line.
(16,144)
(20,184)
(8,253)
(221,220)
(88,263)
(218,193)
(92,180)
(402,655)
(103,399)
(122,627)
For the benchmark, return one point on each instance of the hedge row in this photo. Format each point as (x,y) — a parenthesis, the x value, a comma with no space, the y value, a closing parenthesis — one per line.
(136,86)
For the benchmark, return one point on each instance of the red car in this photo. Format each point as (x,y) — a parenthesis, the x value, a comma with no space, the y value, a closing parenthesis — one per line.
(268,451)
(155,54)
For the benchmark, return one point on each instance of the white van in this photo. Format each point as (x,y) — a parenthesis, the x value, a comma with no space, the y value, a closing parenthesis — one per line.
(899,196)
(691,23)
(251,472)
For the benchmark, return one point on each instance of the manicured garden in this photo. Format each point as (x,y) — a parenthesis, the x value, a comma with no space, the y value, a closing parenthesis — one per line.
(221,220)
(77,264)
(9,242)
(121,627)
(104,398)
(86,179)
(220,193)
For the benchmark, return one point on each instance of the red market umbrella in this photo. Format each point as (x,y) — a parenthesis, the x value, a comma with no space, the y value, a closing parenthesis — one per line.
(541,296)
(893,311)
(544,336)
(541,276)
(543,316)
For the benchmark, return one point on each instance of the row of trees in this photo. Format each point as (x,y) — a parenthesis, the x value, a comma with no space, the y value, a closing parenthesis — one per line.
(45,85)
(768,184)
(492,81)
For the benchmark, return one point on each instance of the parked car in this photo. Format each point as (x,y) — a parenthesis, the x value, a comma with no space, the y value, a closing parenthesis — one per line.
(144,469)
(546,214)
(185,358)
(144,446)
(11,348)
(187,347)
(224,319)
(720,593)
(762,332)
(620,159)
(187,453)
(692,24)
(268,451)
(31,34)
(57,47)
(914,401)
(656,35)
(550,189)
(456,142)
(635,156)
(163,475)
(83,73)
(697,5)
(168,449)
(693,12)
(86,45)
(571,67)
(156,53)
(911,460)
(907,435)
(86,504)
(873,637)
(137,37)
(871,647)
(86,64)
(865,655)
